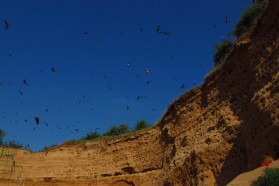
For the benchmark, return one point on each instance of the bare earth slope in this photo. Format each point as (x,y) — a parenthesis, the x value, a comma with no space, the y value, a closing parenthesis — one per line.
(208,136)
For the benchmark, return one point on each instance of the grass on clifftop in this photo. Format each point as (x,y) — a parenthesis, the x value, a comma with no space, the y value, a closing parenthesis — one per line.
(112,134)
(249,19)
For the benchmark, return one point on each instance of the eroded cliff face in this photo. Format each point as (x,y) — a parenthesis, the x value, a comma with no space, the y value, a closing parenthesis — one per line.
(209,135)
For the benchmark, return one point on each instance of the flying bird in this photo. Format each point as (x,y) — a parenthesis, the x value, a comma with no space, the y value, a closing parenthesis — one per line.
(182,86)
(85,33)
(160,31)
(109,87)
(37,120)
(6,24)
(53,69)
(227,19)
(21,93)
(25,82)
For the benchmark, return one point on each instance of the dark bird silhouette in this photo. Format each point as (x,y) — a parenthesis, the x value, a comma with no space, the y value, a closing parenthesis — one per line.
(21,93)
(148,82)
(182,86)
(76,130)
(98,41)
(109,87)
(85,33)
(46,123)
(6,24)
(37,120)
(46,110)
(53,69)
(25,82)
(227,19)
(160,31)
(127,108)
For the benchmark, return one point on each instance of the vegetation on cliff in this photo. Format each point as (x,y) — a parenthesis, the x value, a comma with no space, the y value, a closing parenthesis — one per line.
(270,177)
(245,25)
(249,19)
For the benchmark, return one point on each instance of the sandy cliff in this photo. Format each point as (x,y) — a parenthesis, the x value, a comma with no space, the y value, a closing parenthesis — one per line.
(209,135)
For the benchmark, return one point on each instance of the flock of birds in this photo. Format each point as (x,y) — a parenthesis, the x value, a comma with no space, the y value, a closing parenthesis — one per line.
(159,30)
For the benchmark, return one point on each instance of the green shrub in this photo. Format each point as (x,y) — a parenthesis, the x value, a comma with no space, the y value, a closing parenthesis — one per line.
(141,124)
(270,178)
(249,18)
(2,135)
(222,50)
(13,144)
(118,130)
(91,136)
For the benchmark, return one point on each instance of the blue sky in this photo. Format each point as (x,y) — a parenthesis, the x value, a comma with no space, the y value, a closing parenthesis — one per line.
(99,76)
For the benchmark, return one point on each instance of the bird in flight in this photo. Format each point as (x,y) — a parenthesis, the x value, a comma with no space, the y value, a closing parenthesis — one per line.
(53,69)
(182,86)
(227,19)
(25,82)
(37,120)
(160,31)
(6,24)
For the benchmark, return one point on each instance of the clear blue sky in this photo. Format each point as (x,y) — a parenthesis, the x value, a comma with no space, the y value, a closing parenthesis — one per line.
(92,85)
